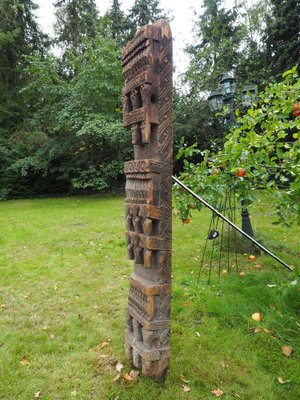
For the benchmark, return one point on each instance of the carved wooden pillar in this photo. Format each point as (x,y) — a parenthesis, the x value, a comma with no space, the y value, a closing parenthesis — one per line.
(147,99)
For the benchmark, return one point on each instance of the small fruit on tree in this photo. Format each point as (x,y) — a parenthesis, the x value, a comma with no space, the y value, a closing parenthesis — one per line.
(296,109)
(240,173)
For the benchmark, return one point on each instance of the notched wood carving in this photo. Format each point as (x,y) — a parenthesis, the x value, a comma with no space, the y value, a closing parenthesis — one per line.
(147,104)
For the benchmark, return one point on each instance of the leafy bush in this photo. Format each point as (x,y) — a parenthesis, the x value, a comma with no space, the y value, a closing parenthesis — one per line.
(264,144)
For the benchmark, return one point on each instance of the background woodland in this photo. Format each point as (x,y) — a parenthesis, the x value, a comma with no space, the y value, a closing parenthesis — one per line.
(60,97)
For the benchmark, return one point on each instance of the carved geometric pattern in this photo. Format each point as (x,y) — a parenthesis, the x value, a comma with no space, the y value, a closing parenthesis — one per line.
(147,104)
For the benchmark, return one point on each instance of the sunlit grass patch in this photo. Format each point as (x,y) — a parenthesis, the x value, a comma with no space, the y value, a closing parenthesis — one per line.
(64,286)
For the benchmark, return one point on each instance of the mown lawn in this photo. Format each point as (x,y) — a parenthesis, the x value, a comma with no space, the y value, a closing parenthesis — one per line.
(63,294)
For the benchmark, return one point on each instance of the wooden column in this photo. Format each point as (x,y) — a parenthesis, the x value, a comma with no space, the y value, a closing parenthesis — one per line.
(147,102)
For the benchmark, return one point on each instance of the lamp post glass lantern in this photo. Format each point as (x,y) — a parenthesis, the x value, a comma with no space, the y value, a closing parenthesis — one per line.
(215,101)
(228,85)
(248,95)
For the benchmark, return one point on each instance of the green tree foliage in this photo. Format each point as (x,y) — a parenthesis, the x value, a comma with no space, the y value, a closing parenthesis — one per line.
(19,36)
(73,138)
(282,35)
(252,66)
(76,21)
(145,12)
(117,23)
(264,144)
(215,48)
(193,122)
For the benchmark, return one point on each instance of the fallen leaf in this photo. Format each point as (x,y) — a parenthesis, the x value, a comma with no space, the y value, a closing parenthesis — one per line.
(237,395)
(186,388)
(281,381)
(116,378)
(24,362)
(258,330)
(134,373)
(183,379)
(242,273)
(127,377)
(198,334)
(286,350)
(104,344)
(217,392)
(257,317)
(119,366)
(267,330)
(74,393)
(223,364)
(257,266)
(2,305)
(52,336)
(37,395)
(187,304)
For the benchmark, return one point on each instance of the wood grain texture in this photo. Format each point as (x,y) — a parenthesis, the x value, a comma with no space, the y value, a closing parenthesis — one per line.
(147,104)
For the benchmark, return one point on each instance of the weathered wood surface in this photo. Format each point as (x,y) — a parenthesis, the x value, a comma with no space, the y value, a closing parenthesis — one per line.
(147,103)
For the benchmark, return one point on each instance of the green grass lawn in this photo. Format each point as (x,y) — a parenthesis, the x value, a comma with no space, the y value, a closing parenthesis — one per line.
(63,294)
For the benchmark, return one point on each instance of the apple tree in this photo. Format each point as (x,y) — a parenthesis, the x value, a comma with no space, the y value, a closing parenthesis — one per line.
(261,151)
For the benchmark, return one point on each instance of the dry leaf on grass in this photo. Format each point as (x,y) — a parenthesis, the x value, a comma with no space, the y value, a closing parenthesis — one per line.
(256,317)
(134,373)
(24,362)
(257,330)
(116,378)
(183,379)
(223,364)
(217,392)
(37,395)
(104,344)
(127,377)
(286,350)
(198,334)
(119,366)
(52,336)
(186,388)
(2,305)
(281,381)
(237,395)
(44,328)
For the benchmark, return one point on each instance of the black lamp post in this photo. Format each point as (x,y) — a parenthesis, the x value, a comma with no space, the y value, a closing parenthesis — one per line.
(224,98)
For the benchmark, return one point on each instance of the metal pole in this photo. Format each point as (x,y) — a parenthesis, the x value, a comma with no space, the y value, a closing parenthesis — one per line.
(176,180)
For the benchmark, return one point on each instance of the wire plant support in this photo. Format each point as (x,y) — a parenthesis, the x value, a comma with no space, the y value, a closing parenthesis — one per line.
(216,212)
